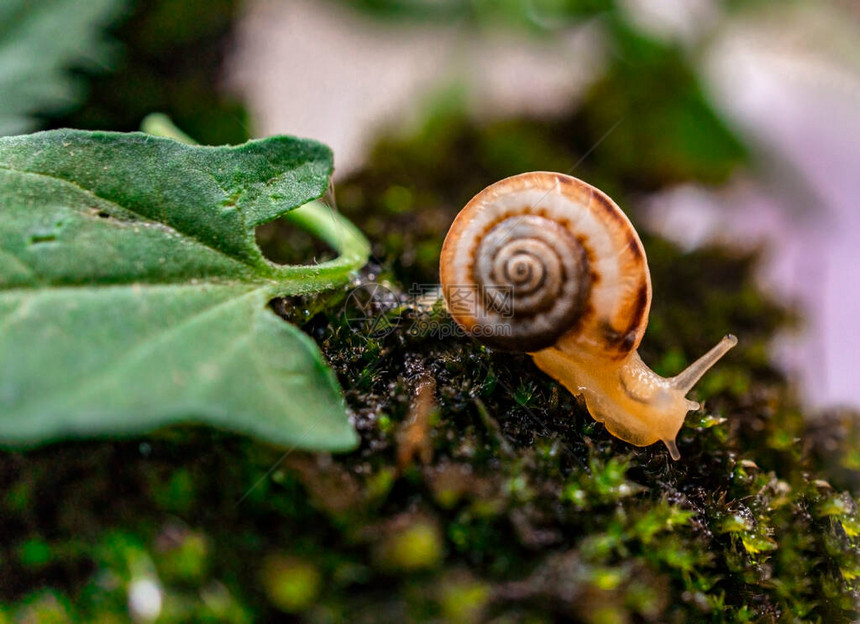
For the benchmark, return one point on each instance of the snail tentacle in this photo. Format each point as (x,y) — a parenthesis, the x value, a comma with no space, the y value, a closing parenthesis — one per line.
(685,380)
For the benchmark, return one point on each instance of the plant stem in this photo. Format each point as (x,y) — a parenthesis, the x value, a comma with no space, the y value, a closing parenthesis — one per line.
(159,124)
(347,240)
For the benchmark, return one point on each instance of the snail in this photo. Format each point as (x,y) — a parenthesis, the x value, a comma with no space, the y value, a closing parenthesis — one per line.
(547,264)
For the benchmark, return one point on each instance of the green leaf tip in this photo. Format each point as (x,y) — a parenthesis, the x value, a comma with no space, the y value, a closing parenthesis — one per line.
(133,294)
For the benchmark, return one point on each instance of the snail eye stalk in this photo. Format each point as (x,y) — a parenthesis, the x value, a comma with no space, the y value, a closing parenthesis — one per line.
(685,380)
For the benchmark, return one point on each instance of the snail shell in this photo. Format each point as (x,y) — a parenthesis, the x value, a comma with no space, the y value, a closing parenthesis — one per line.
(561,252)
(544,263)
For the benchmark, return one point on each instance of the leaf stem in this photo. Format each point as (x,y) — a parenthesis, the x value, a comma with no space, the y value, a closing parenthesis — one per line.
(347,240)
(159,124)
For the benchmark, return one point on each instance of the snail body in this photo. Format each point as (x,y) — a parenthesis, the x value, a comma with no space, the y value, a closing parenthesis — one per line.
(546,264)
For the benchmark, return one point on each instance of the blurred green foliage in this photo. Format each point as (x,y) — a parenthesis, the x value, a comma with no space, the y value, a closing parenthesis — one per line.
(667,130)
(40,42)
(540,15)
(171,58)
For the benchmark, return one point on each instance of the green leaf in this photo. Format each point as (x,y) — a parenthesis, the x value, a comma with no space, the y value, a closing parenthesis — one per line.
(133,295)
(39,41)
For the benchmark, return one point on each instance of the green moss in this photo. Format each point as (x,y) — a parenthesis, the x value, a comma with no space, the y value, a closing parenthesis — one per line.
(34,553)
(176,493)
(45,607)
(462,600)
(183,556)
(415,546)
(291,584)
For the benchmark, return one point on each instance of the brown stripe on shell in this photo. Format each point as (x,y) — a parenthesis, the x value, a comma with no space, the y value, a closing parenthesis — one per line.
(634,247)
(619,340)
(589,254)
(628,324)
(609,211)
(614,341)
(586,247)
(639,308)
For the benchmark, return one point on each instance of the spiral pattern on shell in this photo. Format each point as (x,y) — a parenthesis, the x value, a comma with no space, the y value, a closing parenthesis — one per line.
(530,282)
(542,257)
